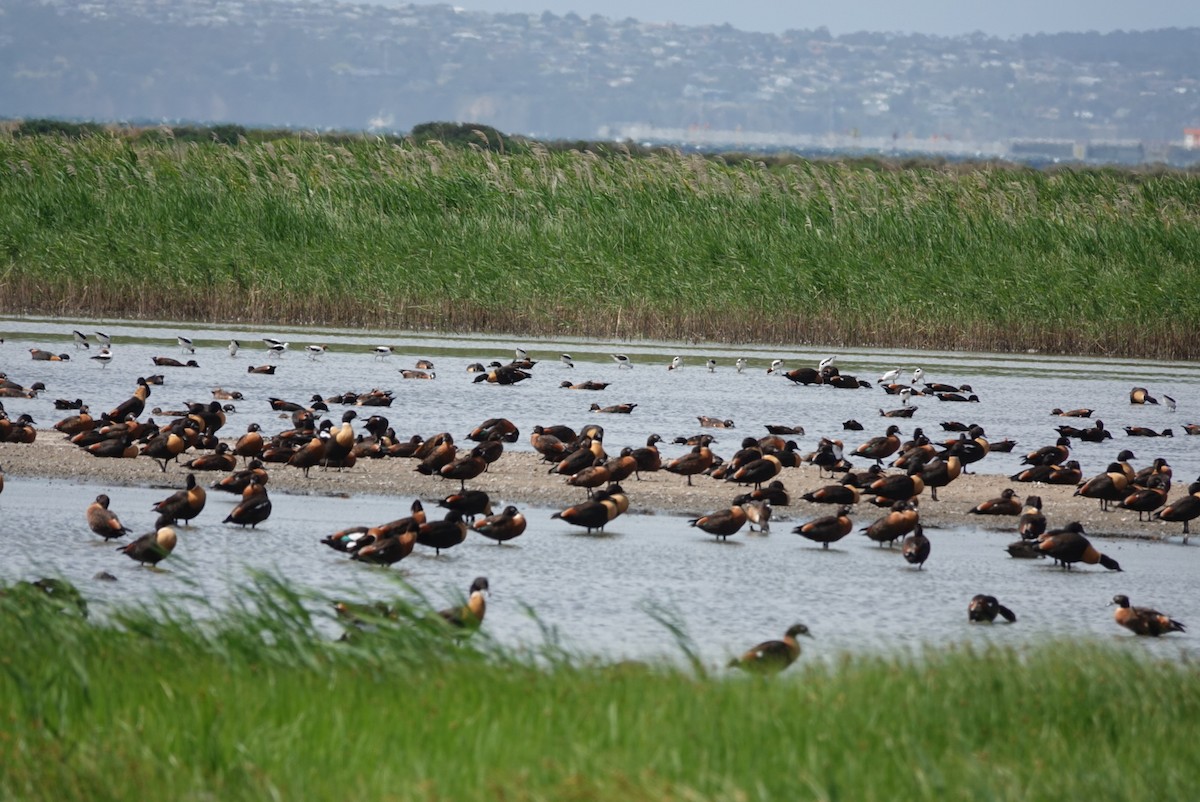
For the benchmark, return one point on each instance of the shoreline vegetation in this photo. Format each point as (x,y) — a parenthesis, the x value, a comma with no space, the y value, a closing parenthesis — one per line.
(259,702)
(604,242)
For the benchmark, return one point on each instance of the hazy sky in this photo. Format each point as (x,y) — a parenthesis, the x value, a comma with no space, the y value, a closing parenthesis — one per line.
(940,17)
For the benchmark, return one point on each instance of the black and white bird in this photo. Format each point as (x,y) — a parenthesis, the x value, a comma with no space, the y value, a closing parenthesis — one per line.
(676,363)
(622,360)
(104,357)
(1170,402)
(233,346)
(776,366)
(521,354)
(380,351)
(566,360)
(918,374)
(275,347)
(81,340)
(103,339)
(890,377)
(711,364)
(740,364)
(315,351)
(185,344)
(827,362)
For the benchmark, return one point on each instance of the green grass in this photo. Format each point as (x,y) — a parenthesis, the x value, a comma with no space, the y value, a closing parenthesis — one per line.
(386,234)
(257,703)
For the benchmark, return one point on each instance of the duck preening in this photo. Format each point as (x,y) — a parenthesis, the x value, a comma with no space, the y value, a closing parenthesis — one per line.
(984,608)
(103,521)
(153,547)
(772,656)
(721,523)
(502,527)
(829,529)
(1070,545)
(916,547)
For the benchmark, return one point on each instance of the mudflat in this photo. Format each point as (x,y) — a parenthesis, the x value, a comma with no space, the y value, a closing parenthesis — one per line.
(522,478)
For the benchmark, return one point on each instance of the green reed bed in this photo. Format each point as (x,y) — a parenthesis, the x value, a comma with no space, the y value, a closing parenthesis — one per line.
(260,702)
(405,235)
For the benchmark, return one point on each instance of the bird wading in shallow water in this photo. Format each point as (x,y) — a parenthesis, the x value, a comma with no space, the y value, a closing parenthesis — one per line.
(772,656)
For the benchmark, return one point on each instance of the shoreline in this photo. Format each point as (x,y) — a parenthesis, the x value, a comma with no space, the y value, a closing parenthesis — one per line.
(521,478)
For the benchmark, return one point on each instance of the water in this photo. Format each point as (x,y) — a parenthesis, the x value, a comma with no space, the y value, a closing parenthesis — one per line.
(604,594)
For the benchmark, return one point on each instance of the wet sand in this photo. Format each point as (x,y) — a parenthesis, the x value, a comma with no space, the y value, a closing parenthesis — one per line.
(521,478)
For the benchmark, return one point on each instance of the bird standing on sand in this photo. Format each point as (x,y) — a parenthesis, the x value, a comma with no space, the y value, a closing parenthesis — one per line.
(772,656)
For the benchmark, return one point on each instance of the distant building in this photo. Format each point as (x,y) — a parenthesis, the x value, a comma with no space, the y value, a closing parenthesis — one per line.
(1052,150)
(1115,152)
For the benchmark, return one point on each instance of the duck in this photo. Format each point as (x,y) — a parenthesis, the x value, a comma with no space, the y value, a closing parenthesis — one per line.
(939,472)
(1108,487)
(254,508)
(757,471)
(851,425)
(250,444)
(1143,620)
(1184,509)
(103,521)
(879,448)
(504,375)
(709,422)
(385,545)
(833,494)
(592,514)
(238,481)
(615,409)
(1070,545)
(153,547)
(1072,413)
(898,522)
(470,615)
(182,505)
(900,487)
(915,548)
(172,362)
(984,608)
(721,523)
(41,355)
(775,494)
(1049,455)
(1006,504)
(1139,395)
(829,529)
(223,459)
(647,457)
(1143,431)
(1032,523)
(264,370)
(698,460)
(443,534)
(502,527)
(1145,500)
(585,385)
(772,656)
(959,397)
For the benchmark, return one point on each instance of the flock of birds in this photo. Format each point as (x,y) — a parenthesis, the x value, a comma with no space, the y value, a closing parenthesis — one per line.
(314,439)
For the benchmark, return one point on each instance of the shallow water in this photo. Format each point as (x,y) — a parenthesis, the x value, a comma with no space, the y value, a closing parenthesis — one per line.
(602,593)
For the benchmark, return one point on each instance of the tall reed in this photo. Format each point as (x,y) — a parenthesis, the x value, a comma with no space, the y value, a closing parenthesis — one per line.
(424,236)
(259,701)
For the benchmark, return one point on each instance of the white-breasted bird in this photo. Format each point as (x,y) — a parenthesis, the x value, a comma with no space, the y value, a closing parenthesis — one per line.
(711,364)
(233,346)
(1170,402)
(566,360)
(826,362)
(740,364)
(918,374)
(81,340)
(676,363)
(315,351)
(890,376)
(104,357)
(103,339)
(622,361)
(185,344)
(776,366)
(380,351)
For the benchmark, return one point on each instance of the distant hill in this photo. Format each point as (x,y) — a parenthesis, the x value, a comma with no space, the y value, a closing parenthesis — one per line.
(340,65)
